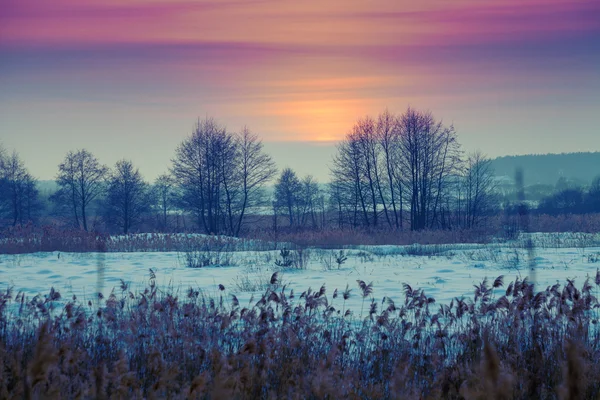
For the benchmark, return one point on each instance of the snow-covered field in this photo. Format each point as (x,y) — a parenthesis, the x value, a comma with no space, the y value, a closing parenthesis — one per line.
(450,273)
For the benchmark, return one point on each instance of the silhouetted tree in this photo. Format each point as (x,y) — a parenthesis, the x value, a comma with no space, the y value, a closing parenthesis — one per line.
(221,176)
(81,179)
(388,136)
(310,202)
(428,157)
(350,188)
(385,163)
(479,190)
(164,197)
(19,196)
(361,162)
(255,169)
(288,192)
(364,130)
(127,197)
(201,167)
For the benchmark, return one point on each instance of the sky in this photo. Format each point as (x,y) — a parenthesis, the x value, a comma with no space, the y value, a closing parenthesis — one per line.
(128,79)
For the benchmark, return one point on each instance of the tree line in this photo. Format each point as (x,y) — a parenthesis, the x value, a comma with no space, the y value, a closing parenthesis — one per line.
(392,171)
(571,199)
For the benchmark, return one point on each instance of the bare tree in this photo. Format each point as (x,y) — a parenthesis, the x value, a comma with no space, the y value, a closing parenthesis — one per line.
(388,136)
(127,196)
(221,176)
(288,192)
(479,189)
(163,197)
(309,202)
(199,167)
(386,162)
(428,156)
(18,192)
(349,187)
(364,131)
(342,203)
(367,165)
(81,179)
(256,169)
(66,196)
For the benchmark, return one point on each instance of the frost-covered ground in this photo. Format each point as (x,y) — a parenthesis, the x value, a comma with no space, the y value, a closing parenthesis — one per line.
(450,272)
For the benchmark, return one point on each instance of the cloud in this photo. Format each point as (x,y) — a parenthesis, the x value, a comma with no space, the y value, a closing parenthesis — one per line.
(295,69)
(310,23)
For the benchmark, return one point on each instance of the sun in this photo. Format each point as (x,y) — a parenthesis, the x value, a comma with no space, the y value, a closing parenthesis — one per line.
(320,120)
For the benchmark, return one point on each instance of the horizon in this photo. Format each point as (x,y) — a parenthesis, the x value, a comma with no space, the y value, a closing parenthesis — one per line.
(325,181)
(129,80)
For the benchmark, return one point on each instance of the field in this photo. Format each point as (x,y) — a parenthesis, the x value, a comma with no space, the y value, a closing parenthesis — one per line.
(419,321)
(442,271)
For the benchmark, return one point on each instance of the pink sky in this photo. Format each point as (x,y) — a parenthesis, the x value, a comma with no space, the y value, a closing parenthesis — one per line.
(513,76)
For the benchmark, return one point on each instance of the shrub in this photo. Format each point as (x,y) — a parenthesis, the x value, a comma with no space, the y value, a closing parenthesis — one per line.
(293,259)
(286,259)
(200,259)
(246,283)
(340,259)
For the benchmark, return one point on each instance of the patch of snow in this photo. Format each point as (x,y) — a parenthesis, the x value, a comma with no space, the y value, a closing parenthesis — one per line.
(445,275)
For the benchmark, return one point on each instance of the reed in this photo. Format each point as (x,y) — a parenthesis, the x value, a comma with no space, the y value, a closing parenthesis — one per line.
(510,343)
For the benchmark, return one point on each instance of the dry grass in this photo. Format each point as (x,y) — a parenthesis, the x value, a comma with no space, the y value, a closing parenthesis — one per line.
(506,342)
(494,228)
(334,238)
(31,239)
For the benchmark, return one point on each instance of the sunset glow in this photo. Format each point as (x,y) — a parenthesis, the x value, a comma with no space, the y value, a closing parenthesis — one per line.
(292,71)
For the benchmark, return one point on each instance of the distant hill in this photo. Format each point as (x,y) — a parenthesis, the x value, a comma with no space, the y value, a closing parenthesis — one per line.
(546,169)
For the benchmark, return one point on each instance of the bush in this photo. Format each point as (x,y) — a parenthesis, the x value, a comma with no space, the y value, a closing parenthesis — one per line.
(200,259)
(293,259)
(246,283)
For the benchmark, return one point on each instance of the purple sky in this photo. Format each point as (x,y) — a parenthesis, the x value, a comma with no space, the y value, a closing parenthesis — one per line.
(128,79)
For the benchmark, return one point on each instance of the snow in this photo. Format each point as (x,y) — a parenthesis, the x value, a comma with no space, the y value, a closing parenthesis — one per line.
(451,272)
